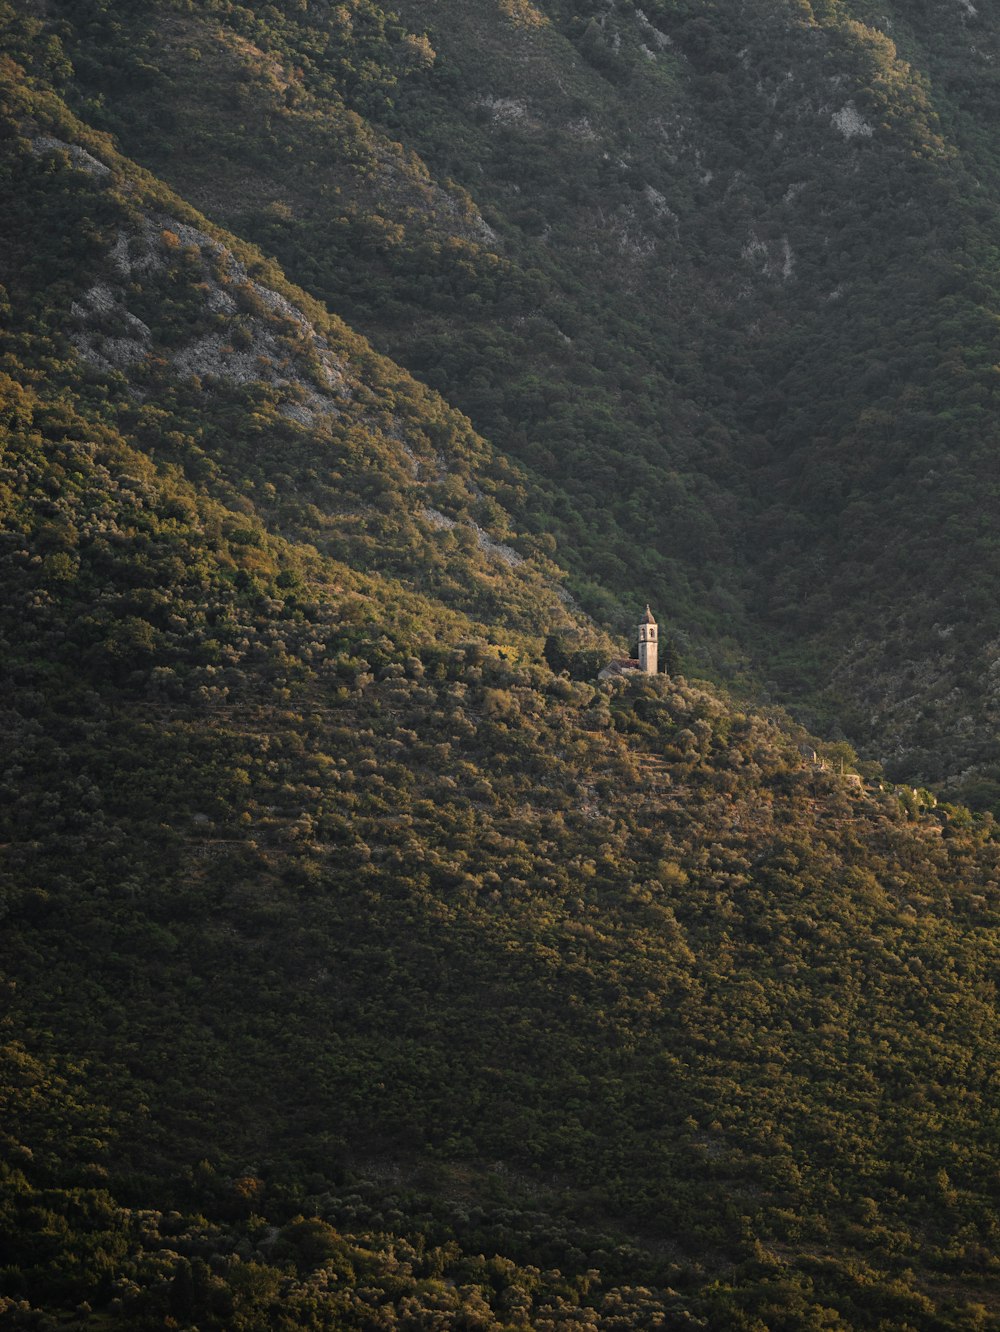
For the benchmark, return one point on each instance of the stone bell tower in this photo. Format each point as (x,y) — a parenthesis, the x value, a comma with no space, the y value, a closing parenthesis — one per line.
(647,643)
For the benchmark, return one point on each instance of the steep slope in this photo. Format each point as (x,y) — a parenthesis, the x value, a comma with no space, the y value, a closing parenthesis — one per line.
(360,971)
(202,352)
(722,277)
(417,941)
(277,150)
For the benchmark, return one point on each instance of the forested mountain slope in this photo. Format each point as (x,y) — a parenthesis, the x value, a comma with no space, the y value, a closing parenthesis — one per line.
(723,277)
(359,970)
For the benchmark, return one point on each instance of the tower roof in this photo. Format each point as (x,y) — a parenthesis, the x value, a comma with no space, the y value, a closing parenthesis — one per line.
(648,617)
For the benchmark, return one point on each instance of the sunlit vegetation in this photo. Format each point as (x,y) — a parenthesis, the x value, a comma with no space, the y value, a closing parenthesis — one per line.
(727,272)
(366,962)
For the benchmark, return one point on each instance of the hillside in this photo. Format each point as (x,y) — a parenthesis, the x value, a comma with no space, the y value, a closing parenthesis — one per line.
(721,278)
(360,969)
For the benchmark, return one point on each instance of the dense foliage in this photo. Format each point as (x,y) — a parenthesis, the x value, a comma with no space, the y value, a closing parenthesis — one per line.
(721,277)
(367,963)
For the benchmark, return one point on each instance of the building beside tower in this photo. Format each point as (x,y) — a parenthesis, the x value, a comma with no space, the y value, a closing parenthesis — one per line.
(646,662)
